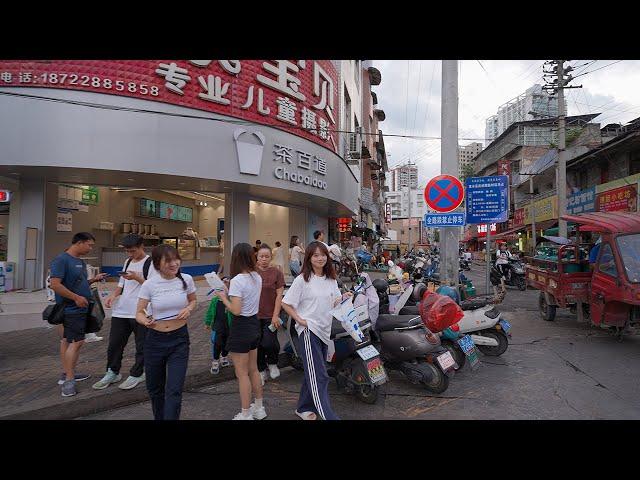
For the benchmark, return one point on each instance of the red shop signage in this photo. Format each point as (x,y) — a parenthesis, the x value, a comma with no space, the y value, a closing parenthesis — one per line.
(482,229)
(518,217)
(623,199)
(299,96)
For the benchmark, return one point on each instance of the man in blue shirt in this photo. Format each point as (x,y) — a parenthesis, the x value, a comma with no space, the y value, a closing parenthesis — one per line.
(71,286)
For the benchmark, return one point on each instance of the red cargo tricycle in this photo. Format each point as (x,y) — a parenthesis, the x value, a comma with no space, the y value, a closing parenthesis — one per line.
(608,292)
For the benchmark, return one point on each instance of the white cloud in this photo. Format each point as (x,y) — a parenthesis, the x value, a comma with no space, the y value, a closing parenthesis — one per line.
(612,91)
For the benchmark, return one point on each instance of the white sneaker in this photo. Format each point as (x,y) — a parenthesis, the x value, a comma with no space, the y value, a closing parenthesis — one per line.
(92,337)
(240,416)
(131,382)
(263,377)
(274,371)
(258,413)
(107,380)
(225,362)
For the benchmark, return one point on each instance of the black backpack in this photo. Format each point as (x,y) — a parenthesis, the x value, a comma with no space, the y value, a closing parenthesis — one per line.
(145,267)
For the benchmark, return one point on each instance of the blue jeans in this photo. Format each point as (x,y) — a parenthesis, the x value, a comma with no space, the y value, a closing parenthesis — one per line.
(165,360)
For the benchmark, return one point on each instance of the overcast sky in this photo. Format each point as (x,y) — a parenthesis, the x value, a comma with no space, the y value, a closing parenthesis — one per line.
(613,90)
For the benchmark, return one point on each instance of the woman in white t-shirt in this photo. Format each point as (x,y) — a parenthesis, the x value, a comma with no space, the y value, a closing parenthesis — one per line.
(172,296)
(243,301)
(296,255)
(309,302)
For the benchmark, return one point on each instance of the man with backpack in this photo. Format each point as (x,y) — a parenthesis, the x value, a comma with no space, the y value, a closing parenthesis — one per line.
(137,269)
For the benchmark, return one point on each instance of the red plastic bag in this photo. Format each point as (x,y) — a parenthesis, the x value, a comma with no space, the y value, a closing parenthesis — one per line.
(439,311)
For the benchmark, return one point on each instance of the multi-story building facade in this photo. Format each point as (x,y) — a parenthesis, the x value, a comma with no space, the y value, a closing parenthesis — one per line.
(405,203)
(404,176)
(362,146)
(533,104)
(466,155)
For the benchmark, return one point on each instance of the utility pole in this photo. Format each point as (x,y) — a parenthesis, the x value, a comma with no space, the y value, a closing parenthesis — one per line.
(562,162)
(449,237)
(533,217)
(557,85)
(409,194)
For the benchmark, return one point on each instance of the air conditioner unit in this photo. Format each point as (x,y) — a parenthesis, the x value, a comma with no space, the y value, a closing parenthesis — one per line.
(355,144)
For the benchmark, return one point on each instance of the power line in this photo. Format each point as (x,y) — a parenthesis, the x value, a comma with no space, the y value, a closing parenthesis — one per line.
(198,117)
(600,68)
(406,107)
(417,98)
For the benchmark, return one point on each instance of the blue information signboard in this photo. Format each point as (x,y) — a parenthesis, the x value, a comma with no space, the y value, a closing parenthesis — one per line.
(582,201)
(433,220)
(487,199)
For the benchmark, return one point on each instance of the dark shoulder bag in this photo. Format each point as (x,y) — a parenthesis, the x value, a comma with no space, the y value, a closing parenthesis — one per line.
(54,314)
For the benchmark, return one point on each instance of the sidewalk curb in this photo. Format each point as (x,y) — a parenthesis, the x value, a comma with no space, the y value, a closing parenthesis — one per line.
(70,408)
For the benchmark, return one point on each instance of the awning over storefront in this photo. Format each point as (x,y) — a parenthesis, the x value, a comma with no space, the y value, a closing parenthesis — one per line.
(509,233)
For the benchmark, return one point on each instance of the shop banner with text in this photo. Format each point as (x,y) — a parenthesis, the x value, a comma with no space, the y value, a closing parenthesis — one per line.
(299,96)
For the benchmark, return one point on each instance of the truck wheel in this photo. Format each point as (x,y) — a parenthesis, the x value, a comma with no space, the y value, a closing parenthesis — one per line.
(501,338)
(547,312)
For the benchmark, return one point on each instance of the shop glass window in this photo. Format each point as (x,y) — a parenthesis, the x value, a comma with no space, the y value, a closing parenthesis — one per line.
(607,263)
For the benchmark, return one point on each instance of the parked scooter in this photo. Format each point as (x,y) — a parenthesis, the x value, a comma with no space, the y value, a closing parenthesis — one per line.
(357,367)
(408,346)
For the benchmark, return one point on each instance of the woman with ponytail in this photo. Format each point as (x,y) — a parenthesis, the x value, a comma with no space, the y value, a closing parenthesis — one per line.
(165,303)
(243,301)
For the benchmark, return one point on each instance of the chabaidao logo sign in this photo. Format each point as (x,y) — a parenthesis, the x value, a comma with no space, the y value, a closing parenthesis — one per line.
(290,164)
(249,146)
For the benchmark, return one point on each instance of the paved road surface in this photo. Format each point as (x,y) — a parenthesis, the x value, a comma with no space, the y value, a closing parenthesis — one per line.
(552,370)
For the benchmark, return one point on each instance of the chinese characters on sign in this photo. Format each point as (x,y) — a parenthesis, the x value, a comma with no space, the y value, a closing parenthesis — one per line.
(482,230)
(288,156)
(582,201)
(299,96)
(624,199)
(432,220)
(387,213)
(487,199)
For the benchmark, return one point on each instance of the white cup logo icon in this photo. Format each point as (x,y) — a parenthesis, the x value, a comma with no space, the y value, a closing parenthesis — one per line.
(249,153)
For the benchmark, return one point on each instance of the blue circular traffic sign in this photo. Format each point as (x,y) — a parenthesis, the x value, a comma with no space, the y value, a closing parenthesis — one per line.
(444,193)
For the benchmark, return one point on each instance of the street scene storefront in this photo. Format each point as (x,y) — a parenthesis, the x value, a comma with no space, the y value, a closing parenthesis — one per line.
(199,154)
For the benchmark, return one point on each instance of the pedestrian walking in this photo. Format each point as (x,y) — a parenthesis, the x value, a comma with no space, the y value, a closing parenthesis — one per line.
(279,260)
(309,302)
(243,302)
(269,314)
(172,296)
(136,270)
(257,246)
(318,236)
(72,287)
(296,255)
(218,319)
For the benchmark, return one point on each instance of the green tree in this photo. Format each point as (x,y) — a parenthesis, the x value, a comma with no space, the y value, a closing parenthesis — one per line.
(436,236)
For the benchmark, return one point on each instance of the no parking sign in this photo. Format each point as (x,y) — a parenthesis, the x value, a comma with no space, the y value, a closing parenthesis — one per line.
(444,193)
